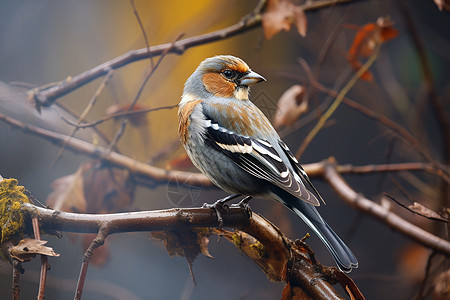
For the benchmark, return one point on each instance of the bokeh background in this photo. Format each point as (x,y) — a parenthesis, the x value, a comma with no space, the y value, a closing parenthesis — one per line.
(47,41)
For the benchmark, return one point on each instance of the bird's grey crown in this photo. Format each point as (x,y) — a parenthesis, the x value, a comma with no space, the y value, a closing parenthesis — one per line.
(194,84)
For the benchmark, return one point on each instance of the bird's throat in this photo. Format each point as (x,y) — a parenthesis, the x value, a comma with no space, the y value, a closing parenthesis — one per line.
(241,93)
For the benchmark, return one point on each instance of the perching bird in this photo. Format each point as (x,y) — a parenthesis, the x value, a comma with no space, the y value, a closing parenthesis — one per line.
(233,143)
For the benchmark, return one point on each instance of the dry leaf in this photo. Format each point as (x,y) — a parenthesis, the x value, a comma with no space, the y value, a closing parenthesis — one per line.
(108,190)
(349,285)
(292,104)
(182,162)
(443,4)
(68,192)
(441,289)
(28,248)
(426,212)
(366,40)
(279,15)
(293,293)
(186,243)
(412,261)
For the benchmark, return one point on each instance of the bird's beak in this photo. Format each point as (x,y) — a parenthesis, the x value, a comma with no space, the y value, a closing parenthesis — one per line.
(251,78)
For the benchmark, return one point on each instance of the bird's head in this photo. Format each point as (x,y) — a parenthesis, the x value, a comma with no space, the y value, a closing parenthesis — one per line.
(223,76)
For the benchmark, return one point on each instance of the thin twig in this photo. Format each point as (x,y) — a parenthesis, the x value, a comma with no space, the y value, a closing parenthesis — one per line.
(396,128)
(141,26)
(44,261)
(46,96)
(118,115)
(83,115)
(341,95)
(76,115)
(160,175)
(97,242)
(17,270)
(138,95)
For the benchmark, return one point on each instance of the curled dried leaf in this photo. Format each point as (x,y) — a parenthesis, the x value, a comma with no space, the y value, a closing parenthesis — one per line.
(68,192)
(443,4)
(292,104)
(28,248)
(348,284)
(280,15)
(366,40)
(426,212)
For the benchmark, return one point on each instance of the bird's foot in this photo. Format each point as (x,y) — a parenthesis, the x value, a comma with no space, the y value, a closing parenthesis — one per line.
(220,205)
(244,205)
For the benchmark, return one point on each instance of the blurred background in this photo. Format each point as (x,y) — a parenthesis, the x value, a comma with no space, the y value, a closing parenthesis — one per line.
(46,41)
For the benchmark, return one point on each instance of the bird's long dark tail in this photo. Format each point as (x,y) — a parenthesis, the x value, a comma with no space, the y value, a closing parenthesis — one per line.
(344,257)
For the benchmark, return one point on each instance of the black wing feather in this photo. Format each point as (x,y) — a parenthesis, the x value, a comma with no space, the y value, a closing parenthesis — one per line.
(259,158)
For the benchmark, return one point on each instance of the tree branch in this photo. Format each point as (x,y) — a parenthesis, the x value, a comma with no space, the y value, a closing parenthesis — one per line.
(276,247)
(373,209)
(46,97)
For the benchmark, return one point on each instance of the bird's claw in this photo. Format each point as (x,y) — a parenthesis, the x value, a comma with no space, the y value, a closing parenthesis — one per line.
(244,205)
(218,207)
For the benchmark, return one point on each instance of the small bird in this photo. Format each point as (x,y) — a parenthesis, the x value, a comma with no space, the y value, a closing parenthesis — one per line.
(233,143)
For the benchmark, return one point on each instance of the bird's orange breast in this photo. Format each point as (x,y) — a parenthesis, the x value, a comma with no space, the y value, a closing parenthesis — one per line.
(183,119)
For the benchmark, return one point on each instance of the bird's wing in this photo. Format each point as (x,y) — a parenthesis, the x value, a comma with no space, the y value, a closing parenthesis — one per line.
(300,171)
(258,157)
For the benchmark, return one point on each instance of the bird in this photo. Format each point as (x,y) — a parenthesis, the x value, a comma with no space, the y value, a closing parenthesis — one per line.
(233,143)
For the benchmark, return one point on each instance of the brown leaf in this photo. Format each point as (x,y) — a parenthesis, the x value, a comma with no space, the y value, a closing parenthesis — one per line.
(301,22)
(292,104)
(28,248)
(443,4)
(366,40)
(441,289)
(68,192)
(350,287)
(293,293)
(185,243)
(279,15)
(426,212)
(182,162)
(108,190)
(412,260)
(256,252)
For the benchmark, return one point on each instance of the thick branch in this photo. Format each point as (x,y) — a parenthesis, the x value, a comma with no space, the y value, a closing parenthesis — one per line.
(157,220)
(275,245)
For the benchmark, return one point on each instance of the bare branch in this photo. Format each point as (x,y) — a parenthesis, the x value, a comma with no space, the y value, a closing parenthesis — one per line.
(44,261)
(97,242)
(275,246)
(46,97)
(382,213)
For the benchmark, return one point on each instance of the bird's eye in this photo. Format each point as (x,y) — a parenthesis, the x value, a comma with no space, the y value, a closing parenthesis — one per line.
(228,74)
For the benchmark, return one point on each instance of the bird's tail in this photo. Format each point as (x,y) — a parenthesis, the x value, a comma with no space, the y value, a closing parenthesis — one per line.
(344,257)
